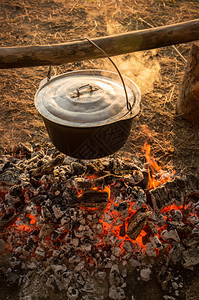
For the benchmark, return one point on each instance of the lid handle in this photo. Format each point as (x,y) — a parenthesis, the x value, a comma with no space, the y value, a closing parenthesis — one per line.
(87,87)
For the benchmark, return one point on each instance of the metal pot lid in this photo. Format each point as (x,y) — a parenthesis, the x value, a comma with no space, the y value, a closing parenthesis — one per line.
(87,98)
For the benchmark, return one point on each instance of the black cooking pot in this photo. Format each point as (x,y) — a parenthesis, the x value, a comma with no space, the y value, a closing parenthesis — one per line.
(86,113)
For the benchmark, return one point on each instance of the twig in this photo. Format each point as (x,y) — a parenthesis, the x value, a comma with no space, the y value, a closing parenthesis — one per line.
(170,95)
(73,6)
(177,51)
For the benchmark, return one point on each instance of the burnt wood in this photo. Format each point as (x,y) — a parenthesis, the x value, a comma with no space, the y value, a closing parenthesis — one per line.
(136,223)
(29,56)
(92,198)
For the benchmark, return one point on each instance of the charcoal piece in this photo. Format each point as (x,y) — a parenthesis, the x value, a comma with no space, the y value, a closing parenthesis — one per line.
(176,215)
(171,235)
(151,228)
(121,207)
(10,176)
(83,183)
(77,169)
(164,277)
(125,164)
(122,230)
(46,213)
(38,200)
(133,177)
(2,245)
(93,198)
(136,223)
(192,197)
(150,251)
(191,257)
(116,293)
(145,274)
(48,167)
(139,196)
(46,229)
(24,149)
(35,183)
(99,182)
(192,239)
(7,220)
(16,190)
(115,277)
(128,246)
(108,164)
(111,178)
(86,183)
(175,254)
(174,191)
(182,228)
(191,183)
(31,244)
(168,193)
(58,213)
(72,293)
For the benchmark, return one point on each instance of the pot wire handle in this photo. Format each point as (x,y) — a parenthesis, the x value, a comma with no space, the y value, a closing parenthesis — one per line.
(128,104)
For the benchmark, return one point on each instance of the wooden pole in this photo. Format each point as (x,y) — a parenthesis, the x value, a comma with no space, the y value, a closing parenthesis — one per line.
(29,56)
(188,100)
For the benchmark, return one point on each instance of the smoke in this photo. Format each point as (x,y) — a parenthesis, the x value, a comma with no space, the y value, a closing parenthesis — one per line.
(141,67)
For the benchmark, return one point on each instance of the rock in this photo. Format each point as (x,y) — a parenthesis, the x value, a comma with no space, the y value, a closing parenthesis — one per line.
(145,274)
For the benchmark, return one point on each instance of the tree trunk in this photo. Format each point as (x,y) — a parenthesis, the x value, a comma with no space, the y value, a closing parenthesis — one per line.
(188,100)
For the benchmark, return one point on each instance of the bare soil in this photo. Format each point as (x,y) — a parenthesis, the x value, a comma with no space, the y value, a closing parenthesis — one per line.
(175,142)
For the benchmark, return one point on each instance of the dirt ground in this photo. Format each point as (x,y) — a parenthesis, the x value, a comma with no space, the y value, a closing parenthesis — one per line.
(158,73)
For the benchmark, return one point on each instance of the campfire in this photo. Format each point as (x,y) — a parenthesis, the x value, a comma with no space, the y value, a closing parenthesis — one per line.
(68,226)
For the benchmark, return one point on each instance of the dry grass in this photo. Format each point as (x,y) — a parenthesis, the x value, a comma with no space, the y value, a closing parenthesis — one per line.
(174,141)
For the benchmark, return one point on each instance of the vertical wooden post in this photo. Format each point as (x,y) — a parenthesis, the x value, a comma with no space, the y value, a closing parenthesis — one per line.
(188,100)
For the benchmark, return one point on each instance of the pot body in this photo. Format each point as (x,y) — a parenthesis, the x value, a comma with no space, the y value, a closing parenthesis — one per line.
(90,142)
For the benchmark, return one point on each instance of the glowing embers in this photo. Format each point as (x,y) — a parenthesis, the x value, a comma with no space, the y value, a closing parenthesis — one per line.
(25,223)
(156,175)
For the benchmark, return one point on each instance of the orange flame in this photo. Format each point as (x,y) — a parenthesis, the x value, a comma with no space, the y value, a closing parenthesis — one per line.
(155,170)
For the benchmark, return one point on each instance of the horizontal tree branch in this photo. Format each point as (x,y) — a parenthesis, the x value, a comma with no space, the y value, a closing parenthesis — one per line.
(40,55)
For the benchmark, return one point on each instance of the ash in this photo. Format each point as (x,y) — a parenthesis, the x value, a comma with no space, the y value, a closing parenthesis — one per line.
(74,229)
